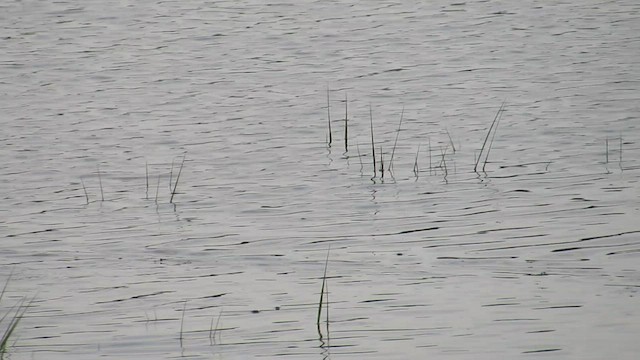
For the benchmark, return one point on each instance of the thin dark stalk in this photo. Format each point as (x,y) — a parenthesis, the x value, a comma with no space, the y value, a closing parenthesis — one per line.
(177,179)
(620,162)
(171,175)
(212,330)
(416,170)
(346,127)
(359,156)
(100,181)
(606,147)
(157,189)
(430,161)
(495,130)
(453,147)
(322,291)
(329,116)
(85,190)
(373,145)
(20,310)
(6,283)
(184,308)
(475,168)
(443,162)
(146,173)
(393,151)
(381,164)
(326,289)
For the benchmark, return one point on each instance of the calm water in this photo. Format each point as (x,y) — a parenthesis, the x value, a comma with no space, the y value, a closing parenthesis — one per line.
(535,257)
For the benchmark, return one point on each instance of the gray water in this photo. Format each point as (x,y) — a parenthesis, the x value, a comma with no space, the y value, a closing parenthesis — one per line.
(534,257)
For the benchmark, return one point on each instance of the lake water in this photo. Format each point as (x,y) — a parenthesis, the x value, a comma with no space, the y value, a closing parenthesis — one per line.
(537,256)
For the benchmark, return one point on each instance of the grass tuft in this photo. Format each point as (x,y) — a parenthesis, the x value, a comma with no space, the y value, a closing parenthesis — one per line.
(14,315)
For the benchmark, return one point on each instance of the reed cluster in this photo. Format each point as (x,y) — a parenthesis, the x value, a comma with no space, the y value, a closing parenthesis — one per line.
(383,163)
(11,318)
(173,185)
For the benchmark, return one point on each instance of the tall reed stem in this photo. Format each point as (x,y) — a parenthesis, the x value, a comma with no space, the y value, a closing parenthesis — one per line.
(393,151)
(100,181)
(373,145)
(346,126)
(146,173)
(175,186)
(495,130)
(475,168)
(329,116)
(85,190)
(322,292)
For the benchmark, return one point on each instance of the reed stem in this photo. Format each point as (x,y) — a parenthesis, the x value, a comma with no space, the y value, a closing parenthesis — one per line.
(322,292)
(495,130)
(146,173)
(475,168)
(175,186)
(346,127)
(329,116)
(373,145)
(85,190)
(381,164)
(100,181)
(393,151)
(184,308)
(416,170)
(359,156)
(453,147)
(157,189)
